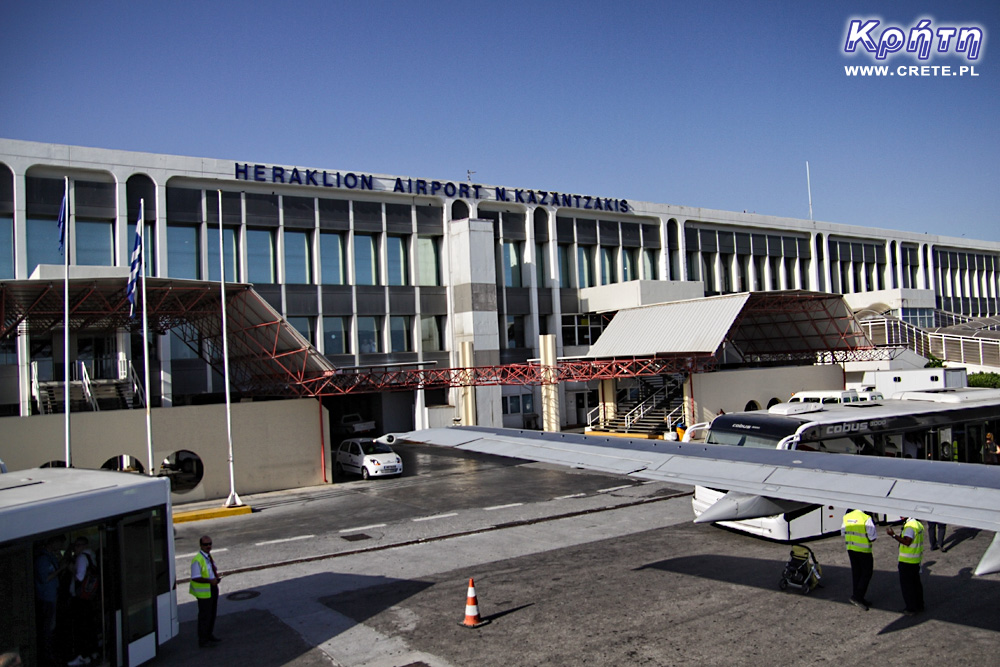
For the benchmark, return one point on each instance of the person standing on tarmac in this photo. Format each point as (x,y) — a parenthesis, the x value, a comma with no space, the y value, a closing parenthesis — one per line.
(911,551)
(859,533)
(205,588)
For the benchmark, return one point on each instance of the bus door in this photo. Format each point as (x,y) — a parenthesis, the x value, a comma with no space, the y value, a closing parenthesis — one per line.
(136,614)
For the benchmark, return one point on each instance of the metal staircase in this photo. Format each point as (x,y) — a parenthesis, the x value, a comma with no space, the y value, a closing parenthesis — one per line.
(650,409)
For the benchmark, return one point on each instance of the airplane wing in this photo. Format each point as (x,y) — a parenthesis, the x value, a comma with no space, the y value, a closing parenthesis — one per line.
(761,482)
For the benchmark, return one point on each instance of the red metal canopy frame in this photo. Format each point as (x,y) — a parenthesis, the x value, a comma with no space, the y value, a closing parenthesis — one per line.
(268,357)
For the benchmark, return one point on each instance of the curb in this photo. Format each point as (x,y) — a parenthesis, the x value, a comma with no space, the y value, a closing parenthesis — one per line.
(212,513)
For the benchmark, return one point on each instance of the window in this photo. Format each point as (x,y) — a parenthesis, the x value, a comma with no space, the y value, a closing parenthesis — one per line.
(630,264)
(564,266)
(693,265)
(609,266)
(400,337)
(335,339)
(649,264)
(369,335)
(94,242)
(431,328)
(512,264)
(515,331)
(229,249)
(6,248)
(428,261)
(365,260)
(179,349)
(585,266)
(397,263)
(183,252)
(331,258)
(260,255)
(517,404)
(42,243)
(298,257)
(541,266)
(304,325)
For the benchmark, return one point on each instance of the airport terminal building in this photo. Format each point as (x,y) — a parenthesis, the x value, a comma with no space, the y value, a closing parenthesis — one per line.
(379,270)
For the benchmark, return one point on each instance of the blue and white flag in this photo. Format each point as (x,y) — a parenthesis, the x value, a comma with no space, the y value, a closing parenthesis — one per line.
(136,267)
(61,222)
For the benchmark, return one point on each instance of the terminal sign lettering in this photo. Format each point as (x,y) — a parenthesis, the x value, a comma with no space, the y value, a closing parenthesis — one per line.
(417,186)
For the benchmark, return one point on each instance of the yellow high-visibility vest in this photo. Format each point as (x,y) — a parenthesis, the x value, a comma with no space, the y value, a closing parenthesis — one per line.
(202,591)
(914,552)
(855,533)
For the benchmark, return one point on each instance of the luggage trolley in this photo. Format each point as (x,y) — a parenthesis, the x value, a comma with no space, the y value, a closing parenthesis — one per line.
(801,571)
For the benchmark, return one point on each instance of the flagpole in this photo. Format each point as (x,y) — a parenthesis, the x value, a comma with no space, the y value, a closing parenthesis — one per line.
(65,234)
(140,230)
(233,500)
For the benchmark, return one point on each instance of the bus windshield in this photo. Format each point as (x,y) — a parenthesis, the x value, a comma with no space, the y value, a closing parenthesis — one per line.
(751,429)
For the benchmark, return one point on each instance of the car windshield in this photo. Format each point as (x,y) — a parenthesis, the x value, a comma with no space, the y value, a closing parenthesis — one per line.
(372,447)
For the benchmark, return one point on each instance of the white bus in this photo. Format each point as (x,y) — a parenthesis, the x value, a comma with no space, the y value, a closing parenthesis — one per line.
(941,424)
(126,519)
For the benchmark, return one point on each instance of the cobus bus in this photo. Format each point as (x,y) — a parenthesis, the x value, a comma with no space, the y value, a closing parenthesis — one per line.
(126,519)
(940,424)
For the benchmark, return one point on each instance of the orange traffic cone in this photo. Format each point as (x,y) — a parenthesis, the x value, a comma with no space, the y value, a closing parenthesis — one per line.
(472,619)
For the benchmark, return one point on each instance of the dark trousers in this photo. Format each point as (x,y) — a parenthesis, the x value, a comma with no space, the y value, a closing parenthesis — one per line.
(937,532)
(913,589)
(862,566)
(84,616)
(207,609)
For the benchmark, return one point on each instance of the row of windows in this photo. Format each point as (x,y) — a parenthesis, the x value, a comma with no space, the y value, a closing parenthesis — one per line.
(373,335)
(330,266)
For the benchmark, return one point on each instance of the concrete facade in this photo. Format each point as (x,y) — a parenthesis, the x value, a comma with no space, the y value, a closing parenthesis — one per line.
(276,444)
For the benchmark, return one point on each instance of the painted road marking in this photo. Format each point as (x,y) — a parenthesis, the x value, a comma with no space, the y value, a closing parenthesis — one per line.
(352,530)
(286,539)
(195,553)
(615,488)
(502,507)
(436,516)
(572,495)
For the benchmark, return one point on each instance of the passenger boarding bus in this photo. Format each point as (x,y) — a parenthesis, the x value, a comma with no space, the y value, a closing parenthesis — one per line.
(126,519)
(940,424)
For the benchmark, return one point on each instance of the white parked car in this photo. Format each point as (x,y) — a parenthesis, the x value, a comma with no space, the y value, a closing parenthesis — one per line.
(368,458)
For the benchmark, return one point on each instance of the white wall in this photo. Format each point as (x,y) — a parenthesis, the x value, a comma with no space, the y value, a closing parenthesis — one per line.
(276,444)
(706,393)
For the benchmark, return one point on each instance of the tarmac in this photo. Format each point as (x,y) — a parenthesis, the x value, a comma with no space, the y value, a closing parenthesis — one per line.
(639,584)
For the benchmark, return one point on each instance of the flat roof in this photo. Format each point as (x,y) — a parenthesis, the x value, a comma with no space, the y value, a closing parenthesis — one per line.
(43,500)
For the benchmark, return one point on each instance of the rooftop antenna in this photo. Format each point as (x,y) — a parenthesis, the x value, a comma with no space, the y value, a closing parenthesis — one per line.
(809,189)
(468,174)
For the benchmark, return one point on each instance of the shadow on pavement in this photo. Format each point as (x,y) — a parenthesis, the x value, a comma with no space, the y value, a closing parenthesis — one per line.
(951,599)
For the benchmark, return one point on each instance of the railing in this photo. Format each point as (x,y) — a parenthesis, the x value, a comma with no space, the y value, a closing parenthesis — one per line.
(36,391)
(88,390)
(137,387)
(947,347)
(639,411)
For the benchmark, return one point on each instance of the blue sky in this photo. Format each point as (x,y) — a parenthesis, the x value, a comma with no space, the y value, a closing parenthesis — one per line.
(712,104)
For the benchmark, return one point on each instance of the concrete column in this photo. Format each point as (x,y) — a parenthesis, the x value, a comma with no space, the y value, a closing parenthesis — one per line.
(474,320)
(550,390)
(467,407)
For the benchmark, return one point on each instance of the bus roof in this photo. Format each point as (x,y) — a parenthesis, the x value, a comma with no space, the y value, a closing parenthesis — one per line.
(44,500)
(908,411)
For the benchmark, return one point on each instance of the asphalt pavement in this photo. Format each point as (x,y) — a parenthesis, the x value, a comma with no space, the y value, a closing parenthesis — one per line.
(621,577)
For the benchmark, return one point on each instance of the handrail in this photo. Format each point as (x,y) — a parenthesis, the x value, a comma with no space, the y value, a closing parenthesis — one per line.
(36,391)
(645,406)
(88,392)
(137,387)
(947,347)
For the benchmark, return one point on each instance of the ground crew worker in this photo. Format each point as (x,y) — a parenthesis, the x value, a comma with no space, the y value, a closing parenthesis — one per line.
(859,533)
(911,551)
(205,588)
